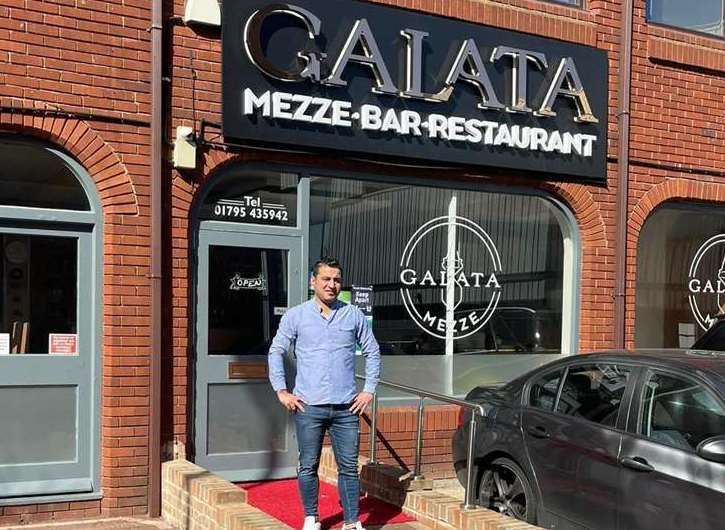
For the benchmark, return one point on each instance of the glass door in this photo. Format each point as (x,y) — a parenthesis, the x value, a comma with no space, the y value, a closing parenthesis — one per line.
(245,283)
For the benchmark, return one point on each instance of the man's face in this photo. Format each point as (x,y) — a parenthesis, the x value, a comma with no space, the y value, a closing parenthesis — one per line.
(327,284)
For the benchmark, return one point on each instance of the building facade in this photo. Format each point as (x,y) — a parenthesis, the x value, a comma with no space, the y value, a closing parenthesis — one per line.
(479,167)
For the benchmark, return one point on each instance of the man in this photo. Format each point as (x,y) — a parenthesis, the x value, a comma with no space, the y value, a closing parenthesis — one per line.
(325,333)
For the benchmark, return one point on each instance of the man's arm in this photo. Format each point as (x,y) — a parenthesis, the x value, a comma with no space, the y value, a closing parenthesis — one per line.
(371,352)
(286,335)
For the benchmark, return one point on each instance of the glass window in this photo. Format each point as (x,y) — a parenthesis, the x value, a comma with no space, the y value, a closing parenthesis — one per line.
(261,198)
(703,15)
(594,392)
(503,252)
(680,275)
(32,175)
(679,412)
(39,293)
(568,2)
(544,389)
(247,298)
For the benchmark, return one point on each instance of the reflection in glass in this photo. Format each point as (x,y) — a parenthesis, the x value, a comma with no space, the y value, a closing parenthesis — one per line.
(679,413)
(594,392)
(32,175)
(39,289)
(704,15)
(669,241)
(368,225)
(247,298)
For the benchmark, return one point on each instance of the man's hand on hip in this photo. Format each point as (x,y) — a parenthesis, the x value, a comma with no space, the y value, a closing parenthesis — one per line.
(361,402)
(290,401)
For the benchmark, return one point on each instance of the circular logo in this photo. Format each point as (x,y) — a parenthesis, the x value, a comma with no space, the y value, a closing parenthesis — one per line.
(706,281)
(450,295)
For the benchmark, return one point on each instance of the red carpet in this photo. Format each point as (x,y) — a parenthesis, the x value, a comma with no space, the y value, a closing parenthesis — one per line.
(281,500)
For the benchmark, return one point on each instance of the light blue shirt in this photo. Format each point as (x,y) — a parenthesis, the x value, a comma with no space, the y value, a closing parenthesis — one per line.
(325,351)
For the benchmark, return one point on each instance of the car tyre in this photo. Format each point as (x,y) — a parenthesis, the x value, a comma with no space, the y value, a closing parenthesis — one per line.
(505,488)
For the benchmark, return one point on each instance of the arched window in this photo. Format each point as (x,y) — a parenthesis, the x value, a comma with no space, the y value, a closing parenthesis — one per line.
(680,274)
(50,285)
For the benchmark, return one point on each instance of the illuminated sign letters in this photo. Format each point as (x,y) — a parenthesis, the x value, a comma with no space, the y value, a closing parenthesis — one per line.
(358,77)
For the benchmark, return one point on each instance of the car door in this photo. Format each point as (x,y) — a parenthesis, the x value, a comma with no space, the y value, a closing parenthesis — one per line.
(665,484)
(573,447)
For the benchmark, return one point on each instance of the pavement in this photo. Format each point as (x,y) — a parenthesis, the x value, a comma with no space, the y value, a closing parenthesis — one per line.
(158,524)
(124,523)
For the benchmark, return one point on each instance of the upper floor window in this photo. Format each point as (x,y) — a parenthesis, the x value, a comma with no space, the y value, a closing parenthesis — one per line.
(705,16)
(568,2)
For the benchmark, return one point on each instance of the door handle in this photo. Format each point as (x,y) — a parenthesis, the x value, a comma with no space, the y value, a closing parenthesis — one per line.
(637,463)
(538,432)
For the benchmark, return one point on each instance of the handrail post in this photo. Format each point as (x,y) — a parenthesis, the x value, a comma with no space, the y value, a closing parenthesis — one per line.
(373,428)
(417,475)
(468,503)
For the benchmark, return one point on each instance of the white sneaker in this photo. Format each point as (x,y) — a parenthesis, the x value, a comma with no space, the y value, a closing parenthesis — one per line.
(353,526)
(311,523)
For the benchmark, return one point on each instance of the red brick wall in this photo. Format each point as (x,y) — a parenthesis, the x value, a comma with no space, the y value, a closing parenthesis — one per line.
(93,57)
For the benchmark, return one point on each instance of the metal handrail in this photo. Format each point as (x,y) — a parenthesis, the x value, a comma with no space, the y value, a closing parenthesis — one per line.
(476,408)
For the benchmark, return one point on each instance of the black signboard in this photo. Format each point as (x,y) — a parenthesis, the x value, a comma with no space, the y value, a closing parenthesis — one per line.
(364,78)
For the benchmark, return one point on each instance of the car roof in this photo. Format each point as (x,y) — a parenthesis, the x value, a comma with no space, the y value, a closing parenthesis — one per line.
(710,364)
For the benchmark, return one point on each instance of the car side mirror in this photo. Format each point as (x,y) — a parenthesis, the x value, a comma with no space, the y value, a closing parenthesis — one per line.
(713,449)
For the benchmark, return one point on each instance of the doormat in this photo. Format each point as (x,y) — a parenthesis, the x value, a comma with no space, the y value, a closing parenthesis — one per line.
(281,500)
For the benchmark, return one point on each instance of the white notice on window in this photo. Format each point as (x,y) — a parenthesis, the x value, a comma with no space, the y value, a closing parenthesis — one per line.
(4,343)
(63,344)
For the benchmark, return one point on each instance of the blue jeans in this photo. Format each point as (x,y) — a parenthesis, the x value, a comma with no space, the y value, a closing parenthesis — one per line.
(344,429)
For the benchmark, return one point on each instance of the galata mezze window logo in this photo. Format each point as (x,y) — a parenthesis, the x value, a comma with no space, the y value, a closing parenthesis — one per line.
(706,281)
(453,290)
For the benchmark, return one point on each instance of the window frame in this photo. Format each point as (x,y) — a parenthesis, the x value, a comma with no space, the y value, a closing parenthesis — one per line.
(426,176)
(89,223)
(624,413)
(634,425)
(690,31)
(581,4)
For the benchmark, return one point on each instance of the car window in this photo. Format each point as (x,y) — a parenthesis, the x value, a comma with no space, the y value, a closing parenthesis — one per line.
(679,412)
(543,390)
(594,392)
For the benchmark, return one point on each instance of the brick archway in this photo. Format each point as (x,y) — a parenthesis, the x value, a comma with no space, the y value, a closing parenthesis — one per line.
(113,182)
(596,319)
(671,189)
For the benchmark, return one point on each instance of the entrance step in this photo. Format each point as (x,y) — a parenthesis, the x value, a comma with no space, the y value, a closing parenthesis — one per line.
(436,504)
(193,498)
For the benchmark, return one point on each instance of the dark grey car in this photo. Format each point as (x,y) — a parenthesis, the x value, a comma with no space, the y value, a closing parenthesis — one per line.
(605,441)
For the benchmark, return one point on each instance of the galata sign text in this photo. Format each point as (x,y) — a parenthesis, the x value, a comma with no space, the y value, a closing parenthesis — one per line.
(364,77)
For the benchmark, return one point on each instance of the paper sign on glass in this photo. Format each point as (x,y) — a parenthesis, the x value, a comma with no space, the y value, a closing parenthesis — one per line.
(63,343)
(4,343)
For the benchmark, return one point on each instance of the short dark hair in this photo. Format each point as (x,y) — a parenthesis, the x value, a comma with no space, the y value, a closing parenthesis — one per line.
(326,261)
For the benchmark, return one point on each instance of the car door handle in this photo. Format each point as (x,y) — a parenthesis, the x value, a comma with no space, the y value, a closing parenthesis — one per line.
(637,463)
(538,432)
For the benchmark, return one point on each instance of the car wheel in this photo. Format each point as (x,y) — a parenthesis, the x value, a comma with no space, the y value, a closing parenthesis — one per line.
(504,488)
